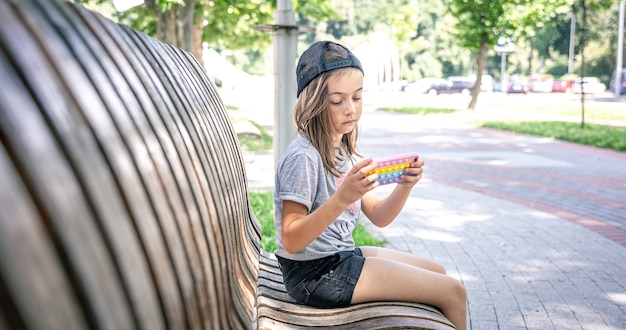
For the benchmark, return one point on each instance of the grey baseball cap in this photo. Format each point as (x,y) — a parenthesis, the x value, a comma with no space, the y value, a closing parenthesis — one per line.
(311,64)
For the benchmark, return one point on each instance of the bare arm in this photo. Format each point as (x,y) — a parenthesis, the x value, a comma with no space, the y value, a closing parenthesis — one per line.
(300,228)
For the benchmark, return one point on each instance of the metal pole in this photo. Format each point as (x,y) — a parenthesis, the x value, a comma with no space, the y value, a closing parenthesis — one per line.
(285,46)
(572,33)
(617,86)
(503,83)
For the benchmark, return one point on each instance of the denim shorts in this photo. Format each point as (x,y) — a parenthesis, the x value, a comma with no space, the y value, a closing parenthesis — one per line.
(326,282)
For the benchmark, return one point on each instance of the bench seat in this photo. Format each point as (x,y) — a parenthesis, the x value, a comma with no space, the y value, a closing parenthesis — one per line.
(277,310)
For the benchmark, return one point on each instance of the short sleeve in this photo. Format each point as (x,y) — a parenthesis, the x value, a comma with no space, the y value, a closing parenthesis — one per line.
(298,180)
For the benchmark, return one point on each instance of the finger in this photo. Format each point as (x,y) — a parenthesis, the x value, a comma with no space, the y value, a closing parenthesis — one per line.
(414,170)
(366,170)
(412,179)
(419,163)
(360,165)
(369,168)
(372,185)
(371,178)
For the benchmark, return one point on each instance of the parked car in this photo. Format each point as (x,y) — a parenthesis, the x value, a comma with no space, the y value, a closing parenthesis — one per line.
(592,85)
(423,85)
(497,86)
(450,86)
(486,82)
(562,86)
(516,86)
(623,84)
(540,83)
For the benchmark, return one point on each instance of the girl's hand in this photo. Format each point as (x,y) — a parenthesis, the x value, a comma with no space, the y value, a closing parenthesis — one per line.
(414,174)
(356,182)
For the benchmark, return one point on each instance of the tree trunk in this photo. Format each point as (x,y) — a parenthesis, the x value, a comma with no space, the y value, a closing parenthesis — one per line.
(176,25)
(198,31)
(167,29)
(583,43)
(481,63)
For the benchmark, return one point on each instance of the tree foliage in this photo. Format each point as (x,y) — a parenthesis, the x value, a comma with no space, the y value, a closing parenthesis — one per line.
(222,24)
(482,24)
(435,38)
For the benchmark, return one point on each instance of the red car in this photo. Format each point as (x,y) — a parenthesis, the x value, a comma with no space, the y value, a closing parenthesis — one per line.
(562,86)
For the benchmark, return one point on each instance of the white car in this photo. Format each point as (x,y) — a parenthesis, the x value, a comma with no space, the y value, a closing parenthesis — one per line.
(423,85)
(592,85)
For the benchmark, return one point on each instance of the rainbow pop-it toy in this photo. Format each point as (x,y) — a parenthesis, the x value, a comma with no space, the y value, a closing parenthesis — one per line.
(391,168)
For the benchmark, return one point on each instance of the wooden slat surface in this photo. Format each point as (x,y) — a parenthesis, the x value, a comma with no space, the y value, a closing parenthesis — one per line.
(126,170)
(277,310)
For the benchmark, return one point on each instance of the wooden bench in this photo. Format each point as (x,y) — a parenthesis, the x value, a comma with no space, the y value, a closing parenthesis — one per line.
(124,201)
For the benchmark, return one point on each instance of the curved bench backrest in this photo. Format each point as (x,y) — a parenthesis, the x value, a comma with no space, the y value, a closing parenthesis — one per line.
(124,199)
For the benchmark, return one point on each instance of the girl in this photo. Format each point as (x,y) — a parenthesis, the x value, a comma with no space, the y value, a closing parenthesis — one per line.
(320,190)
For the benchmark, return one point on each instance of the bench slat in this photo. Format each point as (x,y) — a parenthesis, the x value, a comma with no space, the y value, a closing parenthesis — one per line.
(392,314)
(387,322)
(69,167)
(57,308)
(159,201)
(276,309)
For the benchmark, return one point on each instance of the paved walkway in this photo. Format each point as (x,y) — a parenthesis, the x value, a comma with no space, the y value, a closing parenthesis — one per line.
(535,228)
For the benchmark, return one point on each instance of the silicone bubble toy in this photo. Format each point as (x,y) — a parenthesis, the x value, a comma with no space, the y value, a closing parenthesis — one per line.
(391,168)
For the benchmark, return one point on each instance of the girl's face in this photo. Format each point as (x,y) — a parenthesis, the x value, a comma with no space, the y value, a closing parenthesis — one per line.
(344,102)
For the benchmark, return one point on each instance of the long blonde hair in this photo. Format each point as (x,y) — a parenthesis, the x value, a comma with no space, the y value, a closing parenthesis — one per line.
(311,117)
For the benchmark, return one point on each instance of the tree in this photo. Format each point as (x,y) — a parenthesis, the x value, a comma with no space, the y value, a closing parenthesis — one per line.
(414,26)
(223,24)
(435,38)
(584,6)
(480,24)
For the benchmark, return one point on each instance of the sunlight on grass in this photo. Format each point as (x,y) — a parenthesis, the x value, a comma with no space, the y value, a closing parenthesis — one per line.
(253,142)
(601,136)
(592,112)
(419,110)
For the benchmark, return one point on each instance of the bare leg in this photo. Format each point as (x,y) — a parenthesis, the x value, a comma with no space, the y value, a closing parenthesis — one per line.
(407,258)
(393,275)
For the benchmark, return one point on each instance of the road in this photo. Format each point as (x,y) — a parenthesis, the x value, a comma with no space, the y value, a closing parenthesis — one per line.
(486,100)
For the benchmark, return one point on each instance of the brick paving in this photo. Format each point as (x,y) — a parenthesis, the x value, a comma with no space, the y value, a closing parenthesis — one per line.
(535,228)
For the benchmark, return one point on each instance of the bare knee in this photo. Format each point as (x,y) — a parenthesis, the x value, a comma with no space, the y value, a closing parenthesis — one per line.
(456,306)
(457,292)
(439,268)
(434,266)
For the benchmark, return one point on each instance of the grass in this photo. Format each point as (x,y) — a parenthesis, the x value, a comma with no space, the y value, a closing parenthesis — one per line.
(598,135)
(572,110)
(251,142)
(263,206)
(420,110)
(601,136)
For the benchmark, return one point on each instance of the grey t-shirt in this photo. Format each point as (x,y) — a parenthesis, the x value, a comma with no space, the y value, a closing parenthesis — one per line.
(301,177)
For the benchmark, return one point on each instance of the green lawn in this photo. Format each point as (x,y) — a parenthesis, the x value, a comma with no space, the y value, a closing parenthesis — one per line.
(601,136)
(598,135)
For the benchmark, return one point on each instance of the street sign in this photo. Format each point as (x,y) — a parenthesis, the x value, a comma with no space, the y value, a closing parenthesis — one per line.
(506,48)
